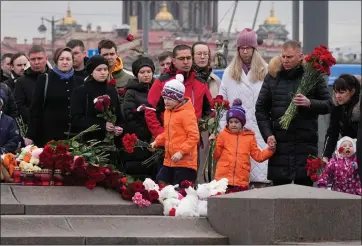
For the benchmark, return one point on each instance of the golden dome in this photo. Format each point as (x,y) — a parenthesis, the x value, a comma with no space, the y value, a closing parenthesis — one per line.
(272,20)
(68,20)
(164,14)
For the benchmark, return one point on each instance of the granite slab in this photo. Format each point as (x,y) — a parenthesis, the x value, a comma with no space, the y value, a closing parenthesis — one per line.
(9,204)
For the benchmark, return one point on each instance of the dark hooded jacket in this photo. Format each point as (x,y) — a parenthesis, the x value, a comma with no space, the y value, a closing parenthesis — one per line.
(301,139)
(83,113)
(24,88)
(9,107)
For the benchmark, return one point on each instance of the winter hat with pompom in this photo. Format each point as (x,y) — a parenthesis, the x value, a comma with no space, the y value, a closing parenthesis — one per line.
(236,111)
(175,89)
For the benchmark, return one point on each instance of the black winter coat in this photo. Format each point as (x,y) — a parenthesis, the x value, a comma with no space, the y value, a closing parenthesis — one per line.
(301,139)
(135,96)
(9,107)
(83,113)
(23,93)
(344,121)
(49,117)
(11,82)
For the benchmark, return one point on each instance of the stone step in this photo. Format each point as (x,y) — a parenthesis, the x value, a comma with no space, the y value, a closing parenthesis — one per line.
(67,200)
(107,230)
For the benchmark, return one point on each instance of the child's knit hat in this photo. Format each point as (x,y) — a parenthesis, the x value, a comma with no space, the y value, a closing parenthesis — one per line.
(353,141)
(174,89)
(236,111)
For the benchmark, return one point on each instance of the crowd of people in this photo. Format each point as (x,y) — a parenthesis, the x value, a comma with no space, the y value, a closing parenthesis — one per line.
(56,100)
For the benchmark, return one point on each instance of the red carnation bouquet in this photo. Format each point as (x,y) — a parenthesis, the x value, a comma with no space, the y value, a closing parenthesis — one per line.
(104,106)
(317,65)
(220,106)
(131,141)
(314,167)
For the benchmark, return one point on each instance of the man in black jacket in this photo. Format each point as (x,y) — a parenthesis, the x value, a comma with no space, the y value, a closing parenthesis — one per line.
(79,55)
(24,87)
(294,145)
(5,66)
(17,64)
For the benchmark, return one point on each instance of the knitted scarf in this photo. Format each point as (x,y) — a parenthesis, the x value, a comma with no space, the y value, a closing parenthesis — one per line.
(63,76)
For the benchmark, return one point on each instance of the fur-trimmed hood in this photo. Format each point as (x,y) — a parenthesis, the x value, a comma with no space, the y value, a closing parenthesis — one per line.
(275,65)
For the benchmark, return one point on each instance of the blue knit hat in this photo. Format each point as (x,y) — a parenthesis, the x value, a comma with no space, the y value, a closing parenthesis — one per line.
(237,112)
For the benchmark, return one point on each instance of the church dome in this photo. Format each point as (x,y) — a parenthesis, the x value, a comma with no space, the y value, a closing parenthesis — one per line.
(164,14)
(272,20)
(68,19)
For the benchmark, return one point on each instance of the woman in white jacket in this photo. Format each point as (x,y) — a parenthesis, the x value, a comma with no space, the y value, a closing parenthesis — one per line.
(243,79)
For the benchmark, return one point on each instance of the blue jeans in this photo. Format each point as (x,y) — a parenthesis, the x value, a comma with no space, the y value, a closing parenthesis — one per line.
(175,175)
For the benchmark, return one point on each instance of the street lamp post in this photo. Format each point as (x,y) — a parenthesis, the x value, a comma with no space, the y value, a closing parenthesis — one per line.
(42,28)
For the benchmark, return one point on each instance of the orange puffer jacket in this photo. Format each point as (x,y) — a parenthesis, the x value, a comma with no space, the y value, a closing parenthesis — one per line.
(233,151)
(181,135)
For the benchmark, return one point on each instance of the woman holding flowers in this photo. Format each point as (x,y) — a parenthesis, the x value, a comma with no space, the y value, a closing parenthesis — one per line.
(96,98)
(50,109)
(297,139)
(136,95)
(345,114)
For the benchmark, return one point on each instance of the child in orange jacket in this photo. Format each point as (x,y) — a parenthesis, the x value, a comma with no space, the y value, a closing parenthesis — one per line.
(180,136)
(234,146)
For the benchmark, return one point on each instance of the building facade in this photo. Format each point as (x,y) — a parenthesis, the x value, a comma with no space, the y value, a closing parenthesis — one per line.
(192,16)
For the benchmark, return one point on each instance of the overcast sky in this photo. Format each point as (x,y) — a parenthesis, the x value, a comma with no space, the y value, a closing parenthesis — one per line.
(22,18)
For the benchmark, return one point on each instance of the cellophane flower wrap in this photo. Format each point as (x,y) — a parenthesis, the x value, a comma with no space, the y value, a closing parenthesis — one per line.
(317,65)
(103,104)
(314,167)
(220,106)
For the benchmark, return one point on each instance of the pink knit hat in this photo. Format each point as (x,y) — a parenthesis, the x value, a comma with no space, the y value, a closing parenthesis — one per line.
(247,37)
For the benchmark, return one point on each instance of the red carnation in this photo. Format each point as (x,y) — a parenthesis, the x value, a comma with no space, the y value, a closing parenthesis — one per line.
(219,97)
(340,149)
(137,186)
(61,149)
(153,196)
(212,115)
(161,186)
(124,180)
(112,82)
(172,212)
(126,194)
(130,38)
(121,91)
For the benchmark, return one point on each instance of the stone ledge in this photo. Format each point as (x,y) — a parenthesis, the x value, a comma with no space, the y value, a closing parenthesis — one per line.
(111,230)
(77,200)
(9,204)
(288,213)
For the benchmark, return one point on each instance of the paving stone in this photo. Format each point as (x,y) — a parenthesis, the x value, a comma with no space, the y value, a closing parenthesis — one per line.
(37,230)
(113,230)
(108,230)
(289,213)
(78,200)
(9,204)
